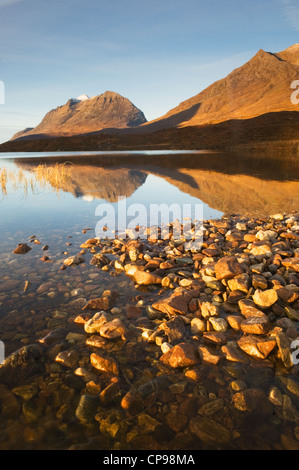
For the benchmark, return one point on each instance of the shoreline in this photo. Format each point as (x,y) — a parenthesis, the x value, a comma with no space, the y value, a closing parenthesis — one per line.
(201,347)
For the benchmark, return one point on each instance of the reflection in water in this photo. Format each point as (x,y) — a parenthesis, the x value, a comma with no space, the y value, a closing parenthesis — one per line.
(49,403)
(258,186)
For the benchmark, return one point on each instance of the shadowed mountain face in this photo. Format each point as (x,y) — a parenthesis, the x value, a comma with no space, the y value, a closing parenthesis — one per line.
(87,115)
(225,183)
(260,86)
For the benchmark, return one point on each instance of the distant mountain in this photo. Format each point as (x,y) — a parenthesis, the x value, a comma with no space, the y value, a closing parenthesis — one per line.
(262,85)
(83,115)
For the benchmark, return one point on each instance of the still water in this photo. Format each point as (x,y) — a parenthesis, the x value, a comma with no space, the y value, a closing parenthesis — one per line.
(50,201)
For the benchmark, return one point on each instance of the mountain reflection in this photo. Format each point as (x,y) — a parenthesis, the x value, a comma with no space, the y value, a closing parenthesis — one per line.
(230,184)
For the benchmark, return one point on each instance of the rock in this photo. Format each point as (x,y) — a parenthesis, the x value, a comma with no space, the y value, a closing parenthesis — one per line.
(284,346)
(219,324)
(145,278)
(68,358)
(109,394)
(228,267)
(261,249)
(94,324)
(240,283)
(132,403)
(210,431)
(174,329)
(259,282)
(113,329)
(181,355)
(73,260)
(212,407)
(232,353)
(208,356)
(54,336)
(209,310)
(87,408)
(99,260)
(287,295)
(197,326)
(292,263)
(255,325)
(102,303)
(292,313)
(275,396)
(248,400)
(234,321)
(266,298)
(173,305)
(22,249)
(104,363)
(25,391)
(256,347)
(248,309)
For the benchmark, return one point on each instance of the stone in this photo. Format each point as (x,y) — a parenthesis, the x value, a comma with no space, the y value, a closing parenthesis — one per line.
(292,263)
(255,325)
(211,408)
(22,249)
(219,324)
(284,347)
(174,329)
(261,249)
(113,329)
(73,260)
(132,403)
(292,313)
(259,282)
(105,302)
(233,353)
(210,431)
(208,309)
(266,298)
(180,356)
(287,295)
(145,278)
(86,409)
(110,394)
(208,356)
(256,347)
(197,326)
(248,400)
(177,303)
(234,321)
(104,363)
(240,283)
(248,309)
(94,324)
(68,358)
(228,267)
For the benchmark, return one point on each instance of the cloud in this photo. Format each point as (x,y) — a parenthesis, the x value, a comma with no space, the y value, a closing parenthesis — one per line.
(291,10)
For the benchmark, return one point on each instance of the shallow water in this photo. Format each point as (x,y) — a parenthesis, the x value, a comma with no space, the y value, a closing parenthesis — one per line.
(37,297)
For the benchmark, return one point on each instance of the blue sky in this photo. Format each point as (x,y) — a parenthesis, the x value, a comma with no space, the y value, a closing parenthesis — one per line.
(157,53)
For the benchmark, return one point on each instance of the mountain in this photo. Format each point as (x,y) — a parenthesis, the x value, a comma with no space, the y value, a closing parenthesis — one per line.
(252,106)
(84,114)
(262,85)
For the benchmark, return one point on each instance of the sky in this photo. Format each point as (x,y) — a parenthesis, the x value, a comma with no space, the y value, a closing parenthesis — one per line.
(156,53)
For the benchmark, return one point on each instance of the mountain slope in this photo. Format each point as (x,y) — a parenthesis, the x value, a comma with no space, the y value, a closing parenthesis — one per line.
(85,114)
(260,86)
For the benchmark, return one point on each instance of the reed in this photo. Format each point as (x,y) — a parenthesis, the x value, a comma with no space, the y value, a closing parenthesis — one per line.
(53,177)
